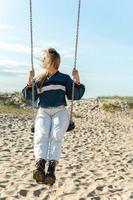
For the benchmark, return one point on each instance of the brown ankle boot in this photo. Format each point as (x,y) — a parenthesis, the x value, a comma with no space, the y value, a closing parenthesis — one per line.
(50,176)
(39,172)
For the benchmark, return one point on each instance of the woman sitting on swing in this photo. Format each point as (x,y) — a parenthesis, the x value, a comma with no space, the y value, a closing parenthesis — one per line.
(52,119)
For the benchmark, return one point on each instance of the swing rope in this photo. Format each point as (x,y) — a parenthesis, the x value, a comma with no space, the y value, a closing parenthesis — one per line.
(32,61)
(75,55)
(31,35)
(31,57)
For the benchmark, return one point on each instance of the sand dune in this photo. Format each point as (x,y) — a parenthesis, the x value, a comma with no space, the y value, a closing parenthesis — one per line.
(96,161)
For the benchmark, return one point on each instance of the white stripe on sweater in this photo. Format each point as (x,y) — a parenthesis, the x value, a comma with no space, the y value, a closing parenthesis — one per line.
(51,87)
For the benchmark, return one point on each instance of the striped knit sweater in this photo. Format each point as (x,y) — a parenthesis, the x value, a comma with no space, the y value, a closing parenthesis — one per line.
(54,90)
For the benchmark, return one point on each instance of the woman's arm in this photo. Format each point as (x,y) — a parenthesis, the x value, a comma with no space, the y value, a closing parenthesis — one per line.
(75,75)
(79,88)
(27,91)
(31,76)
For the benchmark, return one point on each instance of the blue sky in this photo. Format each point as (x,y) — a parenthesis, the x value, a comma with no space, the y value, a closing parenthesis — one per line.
(105,54)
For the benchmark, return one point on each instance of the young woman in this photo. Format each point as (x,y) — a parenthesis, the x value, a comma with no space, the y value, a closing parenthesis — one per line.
(52,119)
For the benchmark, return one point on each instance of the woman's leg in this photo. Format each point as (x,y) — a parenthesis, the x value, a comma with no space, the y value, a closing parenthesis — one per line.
(41,142)
(41,138)
(60,122)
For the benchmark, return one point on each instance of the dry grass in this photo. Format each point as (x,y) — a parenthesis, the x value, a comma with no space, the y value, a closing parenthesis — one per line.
(109,107)
(14,109)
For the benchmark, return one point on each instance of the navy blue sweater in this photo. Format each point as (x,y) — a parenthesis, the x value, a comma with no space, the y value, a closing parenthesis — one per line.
(53,91)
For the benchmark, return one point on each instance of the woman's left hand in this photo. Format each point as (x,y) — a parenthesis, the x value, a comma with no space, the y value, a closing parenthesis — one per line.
(75,75)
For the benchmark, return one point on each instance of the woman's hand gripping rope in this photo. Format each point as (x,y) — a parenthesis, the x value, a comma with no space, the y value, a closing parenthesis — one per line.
(75,75)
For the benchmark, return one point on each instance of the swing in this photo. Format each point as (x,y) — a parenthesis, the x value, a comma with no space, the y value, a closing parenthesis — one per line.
(71,123)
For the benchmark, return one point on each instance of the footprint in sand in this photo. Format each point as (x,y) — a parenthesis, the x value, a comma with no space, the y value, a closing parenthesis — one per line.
(23,192)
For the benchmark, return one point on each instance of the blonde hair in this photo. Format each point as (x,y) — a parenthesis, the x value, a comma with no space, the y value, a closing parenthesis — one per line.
(54,60)
(54,57)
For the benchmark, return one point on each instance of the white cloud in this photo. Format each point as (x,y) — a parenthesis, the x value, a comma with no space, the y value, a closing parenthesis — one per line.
(67,53)
(18,47)
(6,27)
(14,66)
(21,48)
(12,63)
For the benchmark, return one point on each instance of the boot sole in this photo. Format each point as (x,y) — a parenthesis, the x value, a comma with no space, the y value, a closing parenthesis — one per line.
(38,176)
(49,180)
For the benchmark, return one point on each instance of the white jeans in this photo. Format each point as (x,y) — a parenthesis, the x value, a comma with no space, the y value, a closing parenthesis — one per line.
(50,126)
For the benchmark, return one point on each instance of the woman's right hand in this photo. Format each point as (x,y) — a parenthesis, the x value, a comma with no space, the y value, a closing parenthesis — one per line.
(31,76)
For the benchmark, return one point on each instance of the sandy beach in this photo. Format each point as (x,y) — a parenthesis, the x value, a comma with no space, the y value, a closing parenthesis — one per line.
(96,161)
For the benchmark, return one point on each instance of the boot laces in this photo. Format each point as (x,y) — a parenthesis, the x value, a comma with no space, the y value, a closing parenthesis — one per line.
(40,164)
(51,168)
